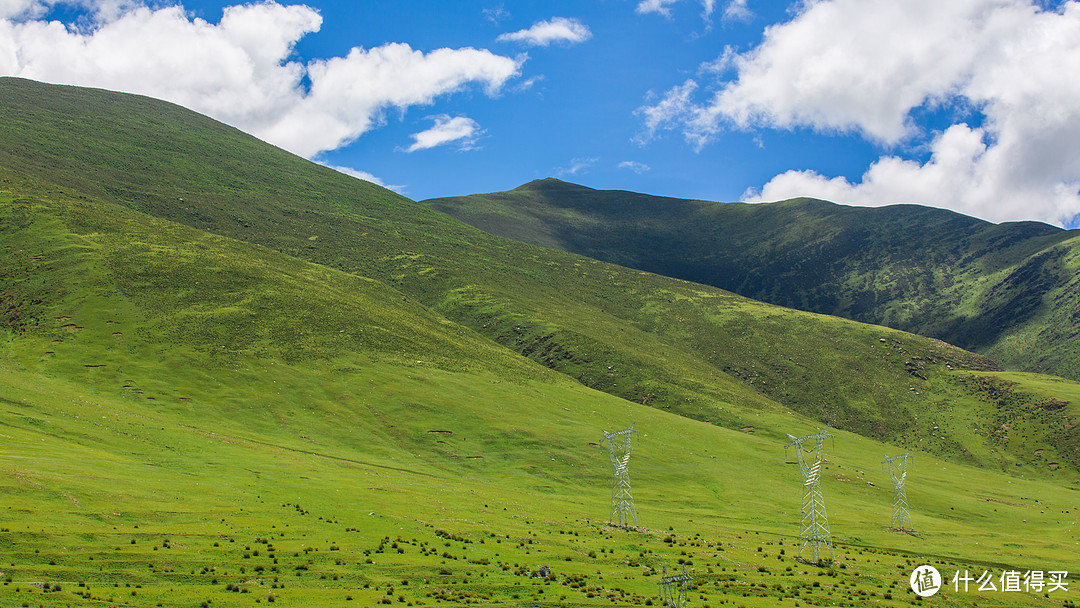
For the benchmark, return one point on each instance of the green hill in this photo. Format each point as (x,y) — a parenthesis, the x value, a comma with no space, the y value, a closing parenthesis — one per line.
(294,385)
(188,418)
(682,347)
(1008,290)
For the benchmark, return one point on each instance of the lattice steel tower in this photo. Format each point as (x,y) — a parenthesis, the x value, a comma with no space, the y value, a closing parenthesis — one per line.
(815,521)
(901,518)
(622,498)
(673,588)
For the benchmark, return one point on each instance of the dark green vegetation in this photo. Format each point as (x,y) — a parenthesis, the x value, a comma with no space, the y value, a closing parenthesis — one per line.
(228,375)
(1010,291)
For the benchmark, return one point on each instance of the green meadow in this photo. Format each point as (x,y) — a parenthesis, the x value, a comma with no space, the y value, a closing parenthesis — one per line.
(294,388)
(456,487)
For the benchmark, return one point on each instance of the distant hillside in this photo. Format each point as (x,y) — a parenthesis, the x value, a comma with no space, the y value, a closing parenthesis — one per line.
(1010,291)
(677,346)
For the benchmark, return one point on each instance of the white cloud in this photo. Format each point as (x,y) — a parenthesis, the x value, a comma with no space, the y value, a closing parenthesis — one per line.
(864,66)
(634,166)
(956,155)
(10,9)
(239,70)
(663,7)
(655,6)
(447,130)
(964,174)
(736,10)
(543,33)
(33,9)
(348,93)
(676,107)
(577,165)
(496,14)
(529,83)
(364,175)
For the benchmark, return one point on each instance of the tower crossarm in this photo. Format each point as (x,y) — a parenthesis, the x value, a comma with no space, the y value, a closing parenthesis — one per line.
(815,439)
(897,467)
(625,433)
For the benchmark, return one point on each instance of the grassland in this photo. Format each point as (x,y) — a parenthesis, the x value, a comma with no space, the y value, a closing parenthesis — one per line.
(1008,291)
(114,500)
(191,418)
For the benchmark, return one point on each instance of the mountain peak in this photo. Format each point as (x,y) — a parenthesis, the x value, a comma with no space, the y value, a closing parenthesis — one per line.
(549,184)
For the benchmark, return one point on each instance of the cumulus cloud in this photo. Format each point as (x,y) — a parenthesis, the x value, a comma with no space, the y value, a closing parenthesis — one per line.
(447,130)
(865,66)
(348,93)
(240,70)
(964,173)
(543,33)
(32,9)
(10,9)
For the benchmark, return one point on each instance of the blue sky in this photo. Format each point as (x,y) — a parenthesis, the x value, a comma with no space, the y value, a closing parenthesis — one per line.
(968,105)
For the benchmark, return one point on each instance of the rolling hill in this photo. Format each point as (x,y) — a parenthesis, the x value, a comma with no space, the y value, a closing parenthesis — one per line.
(229,376)
(1009,291)
(684,347)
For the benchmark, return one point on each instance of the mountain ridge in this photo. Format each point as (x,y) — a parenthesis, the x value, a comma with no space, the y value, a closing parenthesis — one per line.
(929,271)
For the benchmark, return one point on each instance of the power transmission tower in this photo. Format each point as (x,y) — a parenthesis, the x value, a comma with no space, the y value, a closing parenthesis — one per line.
(673,588)
(815,521)
(901,518)
(622,498)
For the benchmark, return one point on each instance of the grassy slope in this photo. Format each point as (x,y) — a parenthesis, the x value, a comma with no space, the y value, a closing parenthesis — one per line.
(981,286)
(144,464)
(682,347)
(1046,340)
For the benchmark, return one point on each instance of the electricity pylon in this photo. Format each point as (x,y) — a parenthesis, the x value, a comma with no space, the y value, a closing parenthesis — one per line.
(622,498)
(673,588)
(901,518)
(815,521)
